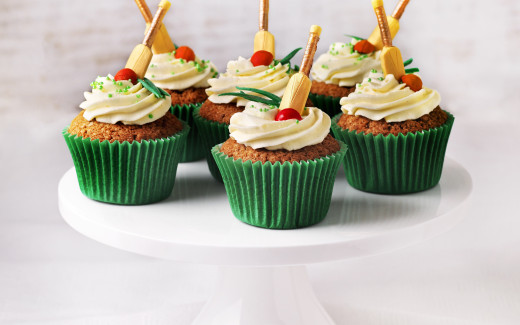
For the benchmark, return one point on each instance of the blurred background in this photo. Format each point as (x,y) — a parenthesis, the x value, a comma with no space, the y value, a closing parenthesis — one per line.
(50,51)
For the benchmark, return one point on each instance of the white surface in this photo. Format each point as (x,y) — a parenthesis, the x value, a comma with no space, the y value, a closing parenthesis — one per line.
(261,296)
(195,223)
(50,274)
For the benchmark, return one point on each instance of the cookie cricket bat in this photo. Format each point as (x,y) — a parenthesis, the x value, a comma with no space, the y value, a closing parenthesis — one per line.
(298,87)
(141,56)
(263,39)
(391,59)
(163,43)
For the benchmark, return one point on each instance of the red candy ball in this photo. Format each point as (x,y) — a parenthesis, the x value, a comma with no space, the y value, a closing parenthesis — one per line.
(185,52)
(287,114)
(261,58)
(126,74)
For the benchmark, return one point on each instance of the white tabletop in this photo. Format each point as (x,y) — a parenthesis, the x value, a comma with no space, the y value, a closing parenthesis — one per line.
(50,274)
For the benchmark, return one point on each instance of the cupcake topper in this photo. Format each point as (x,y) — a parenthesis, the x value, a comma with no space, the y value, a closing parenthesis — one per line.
(142,54)
(299,85)
(163,43)
(264,41)
(391,59)
(374,41)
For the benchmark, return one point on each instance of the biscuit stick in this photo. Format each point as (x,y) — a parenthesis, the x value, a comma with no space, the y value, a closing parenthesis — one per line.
(299,85)
(391,59)
(263,39)
(163,43)
(142,54)
(393,24)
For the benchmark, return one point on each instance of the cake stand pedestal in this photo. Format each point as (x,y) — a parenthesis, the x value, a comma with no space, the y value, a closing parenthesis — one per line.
(263,278)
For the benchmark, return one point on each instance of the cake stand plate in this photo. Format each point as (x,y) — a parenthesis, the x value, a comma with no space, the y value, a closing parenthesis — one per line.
(263,279)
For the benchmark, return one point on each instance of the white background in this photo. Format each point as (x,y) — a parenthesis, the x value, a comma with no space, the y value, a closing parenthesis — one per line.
(51,50)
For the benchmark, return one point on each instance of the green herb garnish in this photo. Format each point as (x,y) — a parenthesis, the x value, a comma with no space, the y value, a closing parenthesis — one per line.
(357,38)
(271,99)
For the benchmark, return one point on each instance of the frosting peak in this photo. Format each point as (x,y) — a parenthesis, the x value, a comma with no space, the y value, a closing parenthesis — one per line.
(272,78)
(381,97)
(256,127)
(121,101)
(167,72)
(343,66)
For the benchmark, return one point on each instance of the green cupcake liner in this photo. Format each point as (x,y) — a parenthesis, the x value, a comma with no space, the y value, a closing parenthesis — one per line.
(279,196)
(126,173)
(194,149)
(394,164)
(211,133)
(328,104)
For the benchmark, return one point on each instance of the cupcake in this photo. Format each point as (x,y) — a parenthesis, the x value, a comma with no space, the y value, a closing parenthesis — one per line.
(213,117)
(185,77)
(126,144)
(280,162)
(397,136)
(279,174)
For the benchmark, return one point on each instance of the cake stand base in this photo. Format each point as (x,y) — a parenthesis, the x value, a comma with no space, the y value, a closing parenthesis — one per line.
(263,296)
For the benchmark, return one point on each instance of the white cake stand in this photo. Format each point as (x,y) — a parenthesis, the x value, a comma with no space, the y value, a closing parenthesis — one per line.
(263,279)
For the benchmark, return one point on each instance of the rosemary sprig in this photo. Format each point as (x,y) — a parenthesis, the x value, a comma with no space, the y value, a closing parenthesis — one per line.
(271,99)
(357,38)
(409,70)
(287,59)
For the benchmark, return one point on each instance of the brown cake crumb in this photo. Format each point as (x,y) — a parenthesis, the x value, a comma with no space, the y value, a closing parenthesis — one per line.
(325,89)
(240,151)
(187,96)
(219,112)
(434,119)
(164,127)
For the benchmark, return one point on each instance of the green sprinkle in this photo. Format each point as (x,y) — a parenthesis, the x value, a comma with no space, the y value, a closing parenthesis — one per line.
(173,72)
(373,71)
(182,61)
(212,70)
(108,78)
(153,76)
(109,95)
(215,75)
(361,57)
(305,108)
(138,96)
(151,65)
(120,83)
(150,115)
(380,78)
(324,66)
(369,79)
(297,121)
(236,71)
(253,106)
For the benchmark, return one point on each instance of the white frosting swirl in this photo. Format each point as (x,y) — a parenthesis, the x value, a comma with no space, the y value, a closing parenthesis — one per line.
(343,66)
(381,97)
(242,73)
(256,127)
(120,101)
(167,72)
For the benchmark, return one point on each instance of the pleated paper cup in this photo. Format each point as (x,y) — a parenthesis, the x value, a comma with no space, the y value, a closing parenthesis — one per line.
(194,150)
(394,164)
(126,173)
(328,104)
(279,196)
(211,133)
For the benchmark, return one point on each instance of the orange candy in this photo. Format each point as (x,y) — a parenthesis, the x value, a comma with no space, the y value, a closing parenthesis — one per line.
(261,58)
(412,81)
(126,74)
(185,52)
(364,46)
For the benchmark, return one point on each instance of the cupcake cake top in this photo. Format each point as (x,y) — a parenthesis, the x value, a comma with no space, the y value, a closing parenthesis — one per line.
(272,77)
(379,97)
(257,126)
(343,66)
(112,101)
(178,71)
